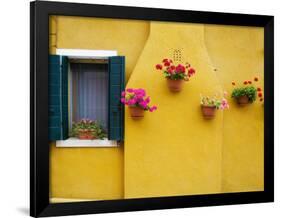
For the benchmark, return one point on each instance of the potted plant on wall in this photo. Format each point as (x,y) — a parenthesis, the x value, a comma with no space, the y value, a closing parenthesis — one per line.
(209,105)
(247,93)
(87,129)
(175,74)
(137,101)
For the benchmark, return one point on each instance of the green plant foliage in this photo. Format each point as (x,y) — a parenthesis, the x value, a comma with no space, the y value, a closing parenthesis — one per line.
(176,76)
(215,101)
(211,102)
(86,125)
(249,91)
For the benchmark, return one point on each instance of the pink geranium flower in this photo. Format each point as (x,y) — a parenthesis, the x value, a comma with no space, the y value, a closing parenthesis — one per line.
(224,104)
(153,108)
(138,98)
(216,101)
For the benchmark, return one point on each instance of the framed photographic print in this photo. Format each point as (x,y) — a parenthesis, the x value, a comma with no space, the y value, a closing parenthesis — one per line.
(144,108)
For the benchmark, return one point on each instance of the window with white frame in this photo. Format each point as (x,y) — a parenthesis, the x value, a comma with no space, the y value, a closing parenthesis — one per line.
(85,90)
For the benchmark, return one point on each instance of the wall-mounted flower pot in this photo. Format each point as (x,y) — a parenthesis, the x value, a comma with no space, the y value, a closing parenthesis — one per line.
(208,111)
(243,100)
(137,113)
(86,135)
(174,85)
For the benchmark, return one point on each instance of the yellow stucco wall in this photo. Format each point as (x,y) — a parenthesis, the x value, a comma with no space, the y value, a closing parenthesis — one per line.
(237,53)
(126,36)
(172,151)
(86,173)
(92,173)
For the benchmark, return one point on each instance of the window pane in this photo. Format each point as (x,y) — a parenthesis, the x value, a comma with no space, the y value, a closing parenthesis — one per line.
(90,92)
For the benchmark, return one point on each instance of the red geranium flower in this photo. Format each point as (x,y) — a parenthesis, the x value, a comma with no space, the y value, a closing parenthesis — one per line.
(259,89)
(261,99)
(180,68)
(249,82)
(256,79)
(170,71)
(245,82)
(167,64)
(158,66)
(260,94)
(233,83)
(172,67)
(165,60)
(191,71)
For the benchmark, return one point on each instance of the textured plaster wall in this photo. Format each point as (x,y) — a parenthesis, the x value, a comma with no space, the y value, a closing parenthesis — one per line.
(172,151)
(86,173)
(126,36)
(237,53)
(93,173)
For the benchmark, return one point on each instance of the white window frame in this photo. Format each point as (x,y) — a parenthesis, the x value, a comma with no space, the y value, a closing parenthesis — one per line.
(86,53)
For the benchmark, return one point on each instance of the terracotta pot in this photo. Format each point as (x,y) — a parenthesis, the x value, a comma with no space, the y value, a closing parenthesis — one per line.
(208,111)
(86,135)
(174,85)
(137,113)
(243,100)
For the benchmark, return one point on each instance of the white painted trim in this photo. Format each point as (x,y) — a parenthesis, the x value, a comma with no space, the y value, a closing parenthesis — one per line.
(97,143)
(86,53)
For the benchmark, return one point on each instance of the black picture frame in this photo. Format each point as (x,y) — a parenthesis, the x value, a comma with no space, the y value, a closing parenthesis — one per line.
(39,146)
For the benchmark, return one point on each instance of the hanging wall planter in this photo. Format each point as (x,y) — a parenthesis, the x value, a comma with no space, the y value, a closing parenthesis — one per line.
(174,85)
(137,101)
(209,105)
(243,100)
(175,74)
(136,112)
(247,93)
(208,111)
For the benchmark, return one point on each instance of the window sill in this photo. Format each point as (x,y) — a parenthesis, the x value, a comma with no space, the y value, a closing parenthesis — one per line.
(97,143)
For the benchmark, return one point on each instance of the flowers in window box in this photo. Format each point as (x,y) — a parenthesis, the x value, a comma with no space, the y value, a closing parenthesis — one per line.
(137,101)
(87,129)
(209,105)
(175,74)
(247,93)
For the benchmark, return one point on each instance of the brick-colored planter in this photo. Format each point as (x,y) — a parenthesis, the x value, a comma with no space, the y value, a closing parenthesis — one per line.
(208,111)
(243,100)
(174,85)
(137,113)
(86,135)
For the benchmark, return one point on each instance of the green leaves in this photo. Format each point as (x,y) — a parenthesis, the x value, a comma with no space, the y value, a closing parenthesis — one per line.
(249,91)
(175,76)
(90,126)
(207,101)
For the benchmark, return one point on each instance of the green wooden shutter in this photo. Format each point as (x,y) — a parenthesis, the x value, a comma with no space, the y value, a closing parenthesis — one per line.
(58,97)
(116,67)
